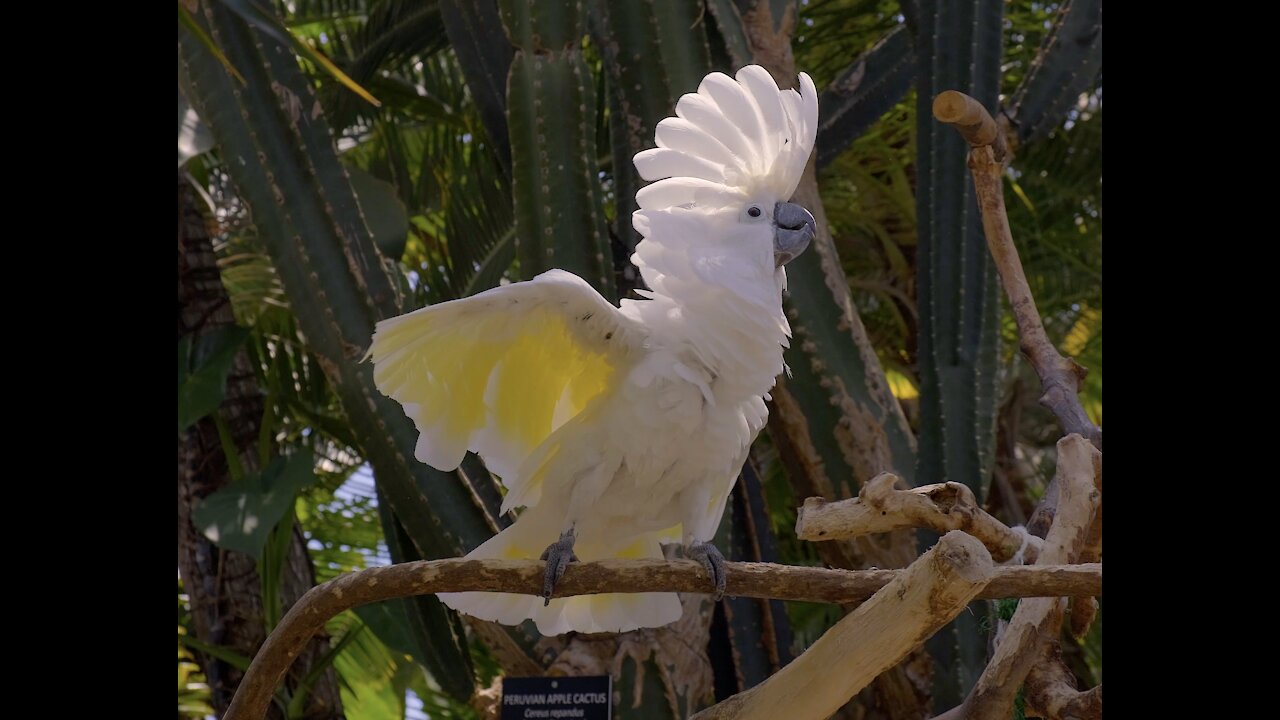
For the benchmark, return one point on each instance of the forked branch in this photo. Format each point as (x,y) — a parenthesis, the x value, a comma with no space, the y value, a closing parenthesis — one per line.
(1037,621)
(880,507)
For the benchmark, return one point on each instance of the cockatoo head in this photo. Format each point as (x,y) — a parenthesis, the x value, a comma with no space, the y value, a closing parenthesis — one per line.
(726,167)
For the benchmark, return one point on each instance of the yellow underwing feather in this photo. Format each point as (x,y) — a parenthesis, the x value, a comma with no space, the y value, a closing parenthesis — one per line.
(499,372)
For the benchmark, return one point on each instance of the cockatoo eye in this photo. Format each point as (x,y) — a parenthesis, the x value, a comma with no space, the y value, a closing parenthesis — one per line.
(753,213)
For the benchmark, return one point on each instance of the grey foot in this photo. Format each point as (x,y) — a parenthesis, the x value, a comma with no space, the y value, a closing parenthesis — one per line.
(713,562)
(558,556)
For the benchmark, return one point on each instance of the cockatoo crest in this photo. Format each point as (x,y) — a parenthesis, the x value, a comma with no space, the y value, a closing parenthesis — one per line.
(730,142)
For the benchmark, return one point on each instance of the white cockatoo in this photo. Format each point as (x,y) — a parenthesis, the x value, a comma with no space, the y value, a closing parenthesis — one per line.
(619,429)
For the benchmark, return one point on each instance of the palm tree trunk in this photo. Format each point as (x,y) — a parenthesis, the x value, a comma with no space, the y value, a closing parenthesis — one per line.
(224,587)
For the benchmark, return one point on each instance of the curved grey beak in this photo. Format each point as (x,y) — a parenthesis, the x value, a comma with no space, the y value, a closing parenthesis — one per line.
(793,228)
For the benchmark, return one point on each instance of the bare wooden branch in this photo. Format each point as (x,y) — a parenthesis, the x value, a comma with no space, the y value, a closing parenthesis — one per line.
(1044,513)
(1060,377)
(1037,620)
(1083,610)
(871,639)
(765,580)
(1051,690)
(1085,705)
(1075,532)
(970,119)
(1092,551)
(880,507)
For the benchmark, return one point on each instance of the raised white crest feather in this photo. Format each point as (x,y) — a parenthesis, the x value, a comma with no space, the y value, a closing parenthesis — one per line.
(731,140)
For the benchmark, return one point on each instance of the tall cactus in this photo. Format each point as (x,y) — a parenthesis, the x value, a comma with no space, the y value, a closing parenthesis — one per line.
(551,104)
(864,92)
(1067,64)
(959,48)
(280,154)
(484,54)
(641,91)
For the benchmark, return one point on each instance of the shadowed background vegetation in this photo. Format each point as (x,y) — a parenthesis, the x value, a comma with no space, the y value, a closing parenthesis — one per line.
(342,161)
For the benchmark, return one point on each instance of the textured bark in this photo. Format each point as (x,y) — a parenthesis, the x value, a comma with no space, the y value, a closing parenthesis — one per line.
(1082,612)
(881,508)
(971,120)
(1051,690)
(870,640)
(1008,497)
(224,587)
(1037,621)
(755,580)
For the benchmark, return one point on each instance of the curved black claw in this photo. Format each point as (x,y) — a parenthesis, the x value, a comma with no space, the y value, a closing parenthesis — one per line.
(558,556)
(713,562)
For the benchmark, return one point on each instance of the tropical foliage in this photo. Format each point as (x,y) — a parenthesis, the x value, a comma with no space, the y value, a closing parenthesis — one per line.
(359,158)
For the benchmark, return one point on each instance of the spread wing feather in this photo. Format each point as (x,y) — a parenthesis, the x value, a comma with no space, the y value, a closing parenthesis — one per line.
(498,372)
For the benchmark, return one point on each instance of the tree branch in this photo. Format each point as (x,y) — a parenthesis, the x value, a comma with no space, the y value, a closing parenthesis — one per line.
(1052,694)
(972,121)
(1084,610)
(1038,620)
(906,612)
(880,508)
(767,580)
(1059,376)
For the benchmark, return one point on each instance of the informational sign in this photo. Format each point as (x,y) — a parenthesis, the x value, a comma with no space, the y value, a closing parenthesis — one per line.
(553,698)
